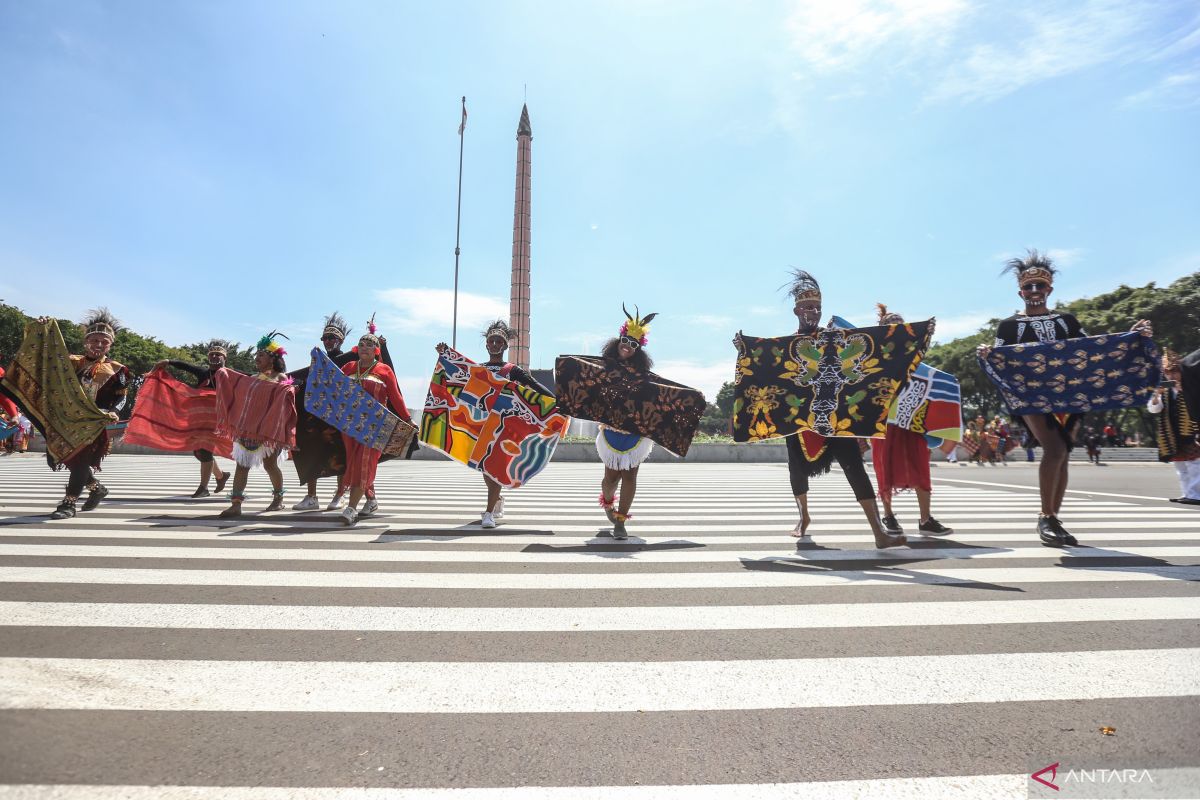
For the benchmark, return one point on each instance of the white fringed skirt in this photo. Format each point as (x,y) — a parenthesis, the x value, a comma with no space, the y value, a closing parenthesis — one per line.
(621,451)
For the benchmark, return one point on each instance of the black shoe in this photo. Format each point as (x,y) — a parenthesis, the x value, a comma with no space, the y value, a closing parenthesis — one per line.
(201,492)
(1063,533)
(221,482)
(1188,501)
(931,527)
(1048,533)
(891,525)
(94,497)
(65,510)
(619,531)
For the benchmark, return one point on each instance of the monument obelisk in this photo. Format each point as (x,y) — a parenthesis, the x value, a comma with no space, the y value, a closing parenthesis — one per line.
(518,311)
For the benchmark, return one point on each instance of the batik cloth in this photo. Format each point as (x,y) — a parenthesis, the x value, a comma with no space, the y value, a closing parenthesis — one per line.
(41,379)
(258,413)
(490,423)
(337,400)
(170,415)
(1176,430)
(1088,373)
(617,394)
(833,382)
(319,450)
(930,403)
(1189,382)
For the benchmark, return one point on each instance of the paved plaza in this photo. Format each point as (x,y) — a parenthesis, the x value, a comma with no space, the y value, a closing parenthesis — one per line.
(148,644)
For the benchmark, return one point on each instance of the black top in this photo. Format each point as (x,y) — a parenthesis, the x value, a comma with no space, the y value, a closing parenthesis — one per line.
(519,375)
(206,376)
(1052,327)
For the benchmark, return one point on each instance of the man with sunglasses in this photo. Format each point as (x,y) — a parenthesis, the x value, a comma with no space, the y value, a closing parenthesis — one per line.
(1055,432)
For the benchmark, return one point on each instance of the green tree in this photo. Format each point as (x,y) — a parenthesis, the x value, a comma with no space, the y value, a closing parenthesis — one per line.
(718,416)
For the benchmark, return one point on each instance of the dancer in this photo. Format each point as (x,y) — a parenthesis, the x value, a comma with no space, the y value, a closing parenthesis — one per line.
(806,296)
(496,339)
(206,378)
(1177,431)
(378,379)
(247,452)
(312,433)
(622,453)
(901,461)
(1035,275)
(106,383)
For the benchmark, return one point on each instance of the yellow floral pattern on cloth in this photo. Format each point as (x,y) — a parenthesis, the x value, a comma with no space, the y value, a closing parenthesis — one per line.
(833,382)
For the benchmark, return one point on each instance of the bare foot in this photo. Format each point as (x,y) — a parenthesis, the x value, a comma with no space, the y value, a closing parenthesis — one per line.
(800,531)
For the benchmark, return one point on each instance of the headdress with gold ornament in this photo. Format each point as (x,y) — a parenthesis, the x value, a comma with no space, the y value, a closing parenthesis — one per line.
(803,286)
(1034,266)
(219,346)
(499,328)
(267,344)
(1171,359)
(370,336)
(336,325)
(101,321)
(636,327)
(888,317)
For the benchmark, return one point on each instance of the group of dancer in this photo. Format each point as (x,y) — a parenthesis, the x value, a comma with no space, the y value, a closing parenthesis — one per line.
(900,458)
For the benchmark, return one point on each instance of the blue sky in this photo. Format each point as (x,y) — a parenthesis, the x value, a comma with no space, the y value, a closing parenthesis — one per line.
(222,168)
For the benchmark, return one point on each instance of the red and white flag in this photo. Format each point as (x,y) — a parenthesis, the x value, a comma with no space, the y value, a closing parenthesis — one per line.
(463,126)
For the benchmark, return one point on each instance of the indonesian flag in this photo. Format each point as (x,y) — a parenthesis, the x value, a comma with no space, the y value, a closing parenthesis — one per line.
(462,127)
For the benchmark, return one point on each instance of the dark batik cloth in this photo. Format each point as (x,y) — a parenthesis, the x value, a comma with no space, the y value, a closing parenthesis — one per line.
(832,382)
(617,394)
(1190,382)
(1176,429)
(1089,373)
(321,453)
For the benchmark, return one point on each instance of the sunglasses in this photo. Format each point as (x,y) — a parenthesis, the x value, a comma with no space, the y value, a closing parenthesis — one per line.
(1034,287)
(330,337)
(632,344)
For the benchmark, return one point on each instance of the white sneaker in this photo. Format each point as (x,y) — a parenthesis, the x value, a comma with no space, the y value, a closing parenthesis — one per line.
(349,516)
(488,520)
(337,502)
(499,512)
(369,507)
(309,503)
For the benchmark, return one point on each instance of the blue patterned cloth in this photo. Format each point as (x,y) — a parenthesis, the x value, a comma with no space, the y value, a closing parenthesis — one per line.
(1074,376)
(332,397)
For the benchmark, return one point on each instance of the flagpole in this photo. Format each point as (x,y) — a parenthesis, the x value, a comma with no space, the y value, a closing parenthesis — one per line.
(458,223)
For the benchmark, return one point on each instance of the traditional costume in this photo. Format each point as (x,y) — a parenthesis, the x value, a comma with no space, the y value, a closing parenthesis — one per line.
(206,378)
(1177,432)
(362,461)
(319,452)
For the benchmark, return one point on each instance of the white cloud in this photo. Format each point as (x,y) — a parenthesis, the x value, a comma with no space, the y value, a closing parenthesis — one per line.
(965,324)
(833,34)
(717,321)
(705,377)
(422,310)
(1179,90)
(1066,256)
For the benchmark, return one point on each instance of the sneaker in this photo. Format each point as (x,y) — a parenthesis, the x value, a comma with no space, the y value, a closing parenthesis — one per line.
(201,492)
(337,502)
(1063,533)
(619,531)
(931,527)
(221,481)
(309,503)
(349,516)
(498,512)
(891,525)
(488,521)
(65,510)
(1047,533)
(369,507)
(94,497)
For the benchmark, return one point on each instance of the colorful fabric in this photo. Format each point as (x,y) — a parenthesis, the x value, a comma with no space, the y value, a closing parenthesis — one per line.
(170,415)
(834,382)
(260,412)
(339,401)
(1176,430)
(41,379)
(618,395)
(479,418)
(901,461)
(930,403)
(622,451)
(1088,373)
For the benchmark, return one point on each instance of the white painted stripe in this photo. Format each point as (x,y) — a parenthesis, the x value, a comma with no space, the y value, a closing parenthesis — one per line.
(566,687)
(576,620)
(785,552)
(979,787)
(471,538)
(1088,492)
(802,576)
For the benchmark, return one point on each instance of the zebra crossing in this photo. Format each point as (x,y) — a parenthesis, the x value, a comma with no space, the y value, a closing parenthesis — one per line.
(149,649)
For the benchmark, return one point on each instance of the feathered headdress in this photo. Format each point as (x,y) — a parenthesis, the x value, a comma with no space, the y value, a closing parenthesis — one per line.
(499,328)
(1171,359)
(219,346)
(636,327)
(1034,266)
(267,344)
(370,335)
(336,325)
(101,321)
(888,317)
(803,286)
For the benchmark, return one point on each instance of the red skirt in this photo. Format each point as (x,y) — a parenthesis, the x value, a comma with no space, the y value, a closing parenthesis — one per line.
(361,461)
(901,461)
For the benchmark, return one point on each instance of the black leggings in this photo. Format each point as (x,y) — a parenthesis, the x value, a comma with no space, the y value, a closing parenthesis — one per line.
(845,450)
(81,476)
